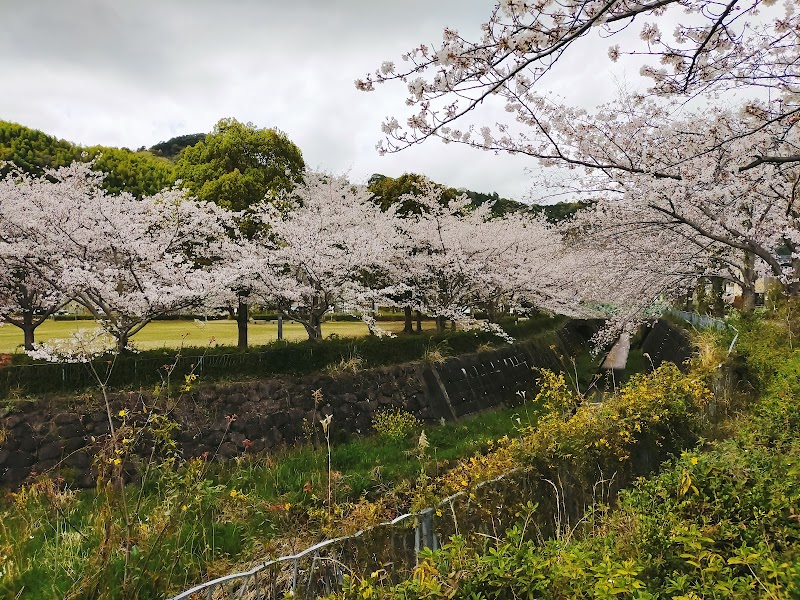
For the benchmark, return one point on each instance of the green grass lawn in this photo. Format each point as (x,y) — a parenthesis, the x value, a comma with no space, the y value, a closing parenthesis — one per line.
(368,464)
(174,334)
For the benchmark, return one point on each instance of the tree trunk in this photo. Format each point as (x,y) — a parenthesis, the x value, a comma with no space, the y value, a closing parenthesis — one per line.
(748,299)
(314,328)
(242,317)
(717,304)
(408,325)
(491,311)
(749,280)
(701,297)
(122,343)
(419,322)
(793,289)
(440,323)
(27,330)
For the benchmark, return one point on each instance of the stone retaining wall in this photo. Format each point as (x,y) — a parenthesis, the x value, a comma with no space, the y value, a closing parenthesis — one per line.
(226,419)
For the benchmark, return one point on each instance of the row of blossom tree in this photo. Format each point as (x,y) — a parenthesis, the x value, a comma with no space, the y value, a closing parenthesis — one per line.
(328,243)
(697,175)
(325,244)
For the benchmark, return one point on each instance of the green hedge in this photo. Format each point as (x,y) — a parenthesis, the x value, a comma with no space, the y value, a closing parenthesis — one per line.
(27,377)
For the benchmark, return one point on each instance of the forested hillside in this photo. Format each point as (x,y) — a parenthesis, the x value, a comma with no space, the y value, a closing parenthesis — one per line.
(141,173)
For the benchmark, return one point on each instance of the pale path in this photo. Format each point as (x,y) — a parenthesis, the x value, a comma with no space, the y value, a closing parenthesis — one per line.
(617,358)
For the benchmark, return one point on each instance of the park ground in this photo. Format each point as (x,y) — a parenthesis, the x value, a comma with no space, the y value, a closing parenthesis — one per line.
(178,333)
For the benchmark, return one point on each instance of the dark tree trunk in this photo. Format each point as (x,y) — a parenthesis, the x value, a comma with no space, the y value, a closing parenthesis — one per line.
(122,343)
(440,323)
(419,322)
(27,330)
(314,328)
(748,299)
(717,304)
(749,287)
(408,325)
(793,289)
(242,317)
(491,311)
(701,297)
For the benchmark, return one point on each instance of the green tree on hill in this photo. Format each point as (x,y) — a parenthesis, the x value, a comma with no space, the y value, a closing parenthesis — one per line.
(500,206)
(33,151)
(390,191)
(237,166)
(174,146)
(138,173)
(560,211)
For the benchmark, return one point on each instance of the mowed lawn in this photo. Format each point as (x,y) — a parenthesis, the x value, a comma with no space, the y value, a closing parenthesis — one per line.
(174,334)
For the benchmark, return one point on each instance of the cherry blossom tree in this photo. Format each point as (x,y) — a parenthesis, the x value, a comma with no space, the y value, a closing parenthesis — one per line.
(26,299)
(715,46)
(717,186)
(624,270)
(236,166)
(458,258)
(127,260)
(321,247)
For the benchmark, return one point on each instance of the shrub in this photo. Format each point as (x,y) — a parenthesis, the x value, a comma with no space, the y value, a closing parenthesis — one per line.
(352,364)
(652,416)
(394,423)
(717,523)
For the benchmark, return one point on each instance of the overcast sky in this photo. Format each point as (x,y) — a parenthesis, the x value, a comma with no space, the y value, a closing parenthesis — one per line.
(134,73)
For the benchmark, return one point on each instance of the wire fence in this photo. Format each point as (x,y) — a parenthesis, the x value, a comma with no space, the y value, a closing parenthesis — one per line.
(391,548)
(701,321)
(706,322)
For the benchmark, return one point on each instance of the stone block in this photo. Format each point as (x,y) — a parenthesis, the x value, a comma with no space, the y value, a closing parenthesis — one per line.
(71,430)
(51,450)
(73,444)
(15,475)
(66,419)
(227,450)
(28,444)
(78,460)
(20,459)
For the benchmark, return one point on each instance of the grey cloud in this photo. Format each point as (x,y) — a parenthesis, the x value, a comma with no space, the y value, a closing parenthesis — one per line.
(132,73)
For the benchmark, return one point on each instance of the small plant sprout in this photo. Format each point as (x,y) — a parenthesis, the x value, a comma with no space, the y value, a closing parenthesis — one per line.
(423,444)
(648,357)
(422,448)
(326,425)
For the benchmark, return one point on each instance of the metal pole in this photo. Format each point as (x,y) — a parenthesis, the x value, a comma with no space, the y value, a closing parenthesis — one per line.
(425,537)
